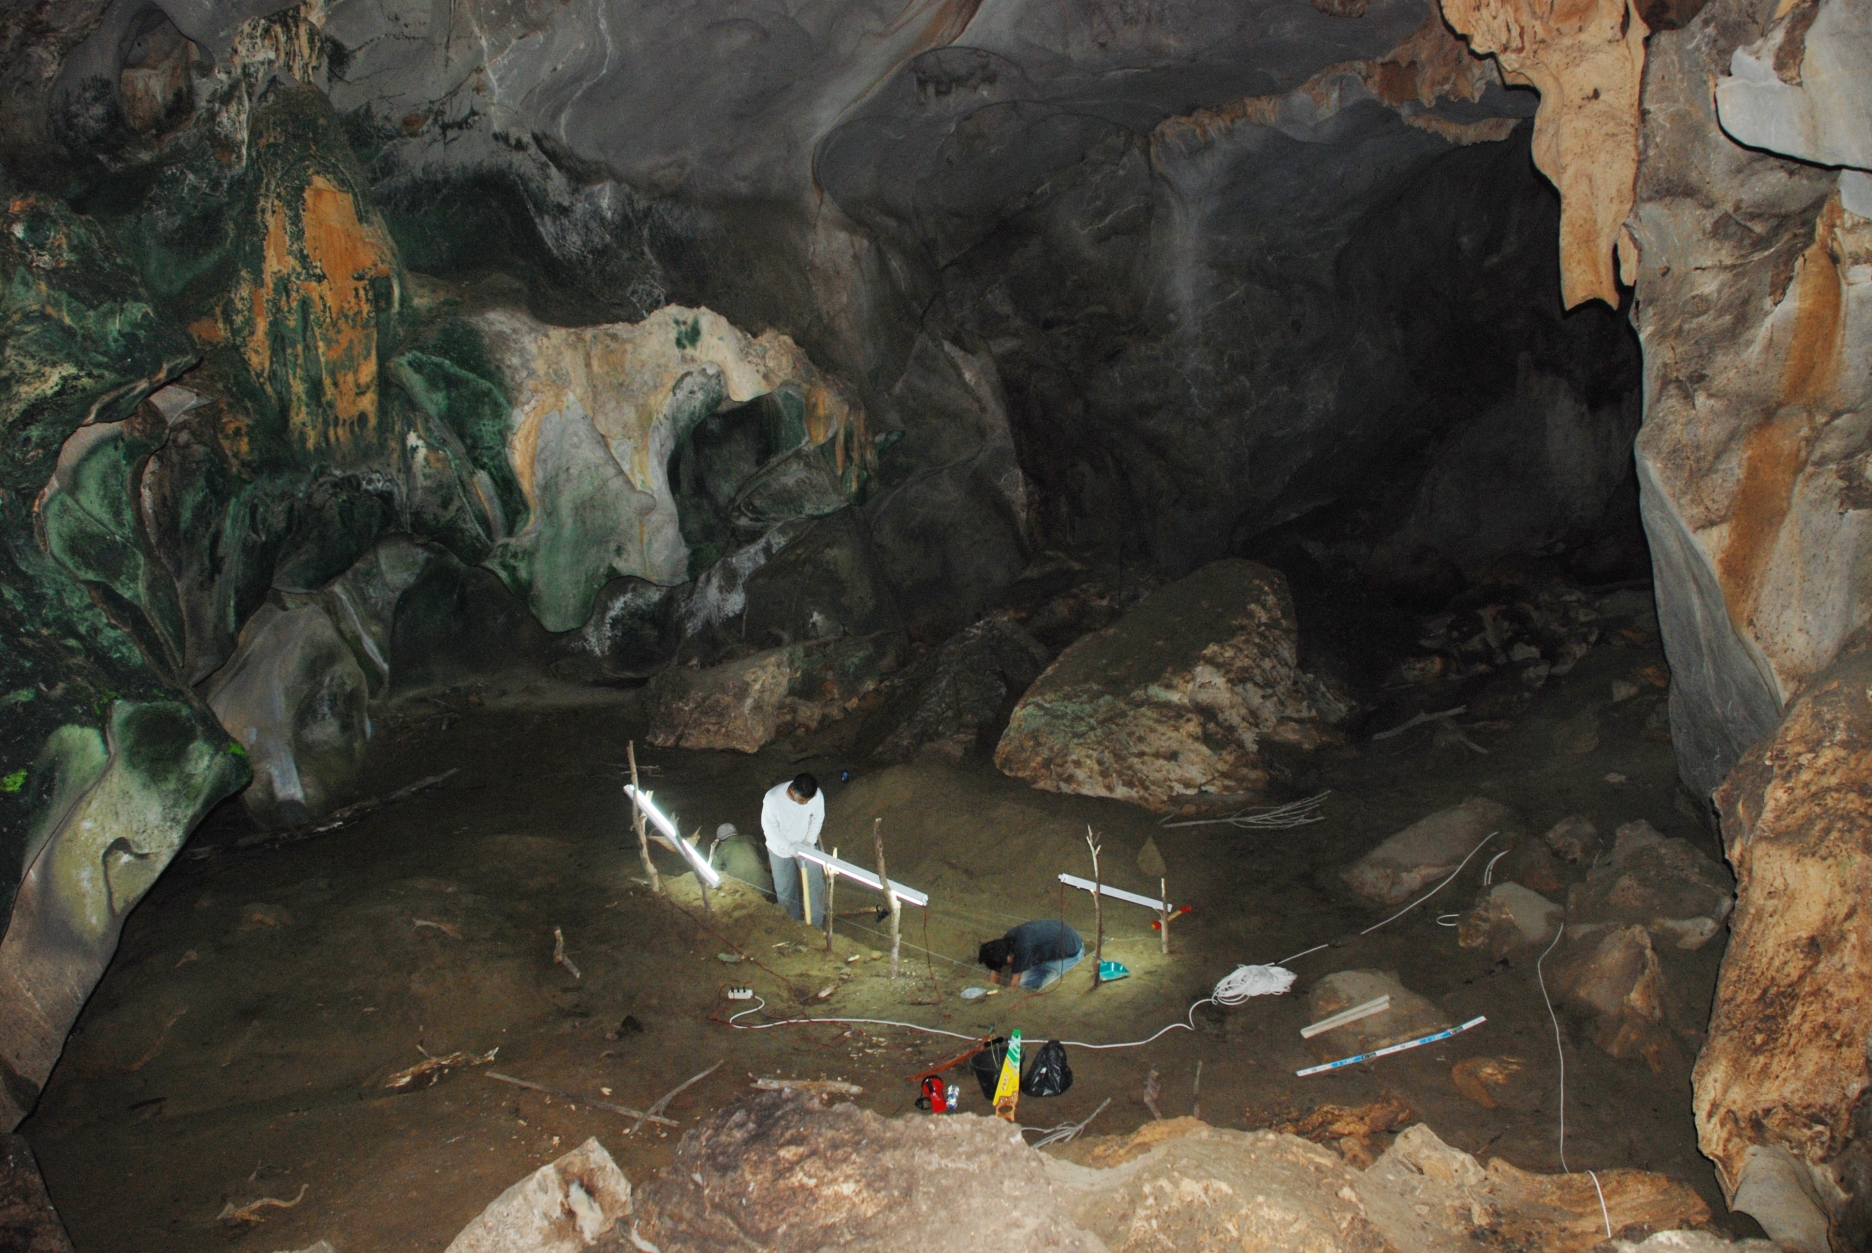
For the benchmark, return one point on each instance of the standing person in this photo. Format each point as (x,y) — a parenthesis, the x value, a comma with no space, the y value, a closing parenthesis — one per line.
(1033,955)
(791,815)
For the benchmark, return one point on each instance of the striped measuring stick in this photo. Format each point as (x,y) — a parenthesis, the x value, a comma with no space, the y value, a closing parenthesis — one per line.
(1394,1048)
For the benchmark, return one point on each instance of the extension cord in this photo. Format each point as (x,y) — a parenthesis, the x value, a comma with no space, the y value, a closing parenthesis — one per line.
(739,994)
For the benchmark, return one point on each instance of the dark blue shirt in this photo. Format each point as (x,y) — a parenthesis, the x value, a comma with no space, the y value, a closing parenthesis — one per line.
(1036,942)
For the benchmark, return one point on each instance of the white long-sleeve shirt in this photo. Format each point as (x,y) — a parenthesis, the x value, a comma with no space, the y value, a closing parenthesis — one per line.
(789,824)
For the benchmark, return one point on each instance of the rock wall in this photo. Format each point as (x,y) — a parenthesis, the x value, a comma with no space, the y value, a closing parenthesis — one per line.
(1785,1077)
(253,471)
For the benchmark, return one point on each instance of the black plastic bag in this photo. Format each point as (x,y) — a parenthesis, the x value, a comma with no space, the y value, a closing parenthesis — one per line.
(1051,1074)
(987,1066)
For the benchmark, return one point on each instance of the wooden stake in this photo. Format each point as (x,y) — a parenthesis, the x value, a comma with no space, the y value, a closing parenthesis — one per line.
(890,894)
(805,891)
(643,838)
(1098,913)
(831,882)
(1163,897)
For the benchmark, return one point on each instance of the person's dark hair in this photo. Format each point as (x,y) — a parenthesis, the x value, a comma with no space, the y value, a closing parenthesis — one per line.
(805,785)
(995,953)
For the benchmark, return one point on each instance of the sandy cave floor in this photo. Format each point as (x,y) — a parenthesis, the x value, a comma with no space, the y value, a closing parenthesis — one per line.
(238,1044)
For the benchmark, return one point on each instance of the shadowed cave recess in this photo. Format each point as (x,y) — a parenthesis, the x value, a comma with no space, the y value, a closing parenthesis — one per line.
(1282,457)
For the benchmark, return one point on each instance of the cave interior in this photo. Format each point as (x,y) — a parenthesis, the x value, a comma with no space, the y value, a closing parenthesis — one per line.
(1296,459)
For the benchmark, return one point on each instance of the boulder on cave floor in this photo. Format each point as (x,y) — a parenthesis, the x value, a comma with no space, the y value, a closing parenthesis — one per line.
(742,705)
(1785,1070)
(1507,918)
(1408,1016)
(1196,692)
(562,1207)
(1426,851)
(963,1183)
(1663,885)
(1615,974)
(966,687)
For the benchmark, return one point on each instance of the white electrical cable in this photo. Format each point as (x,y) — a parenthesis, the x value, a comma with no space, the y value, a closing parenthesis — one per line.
(1488,871)
(1433,891)
(1558,1050)
(792,1022)
(1602,1209)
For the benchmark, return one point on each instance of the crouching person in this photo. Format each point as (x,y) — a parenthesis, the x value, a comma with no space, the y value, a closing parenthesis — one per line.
(1033,955)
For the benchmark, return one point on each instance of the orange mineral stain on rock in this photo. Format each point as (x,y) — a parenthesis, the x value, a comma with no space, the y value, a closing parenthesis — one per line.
(314,321)
(1776,452)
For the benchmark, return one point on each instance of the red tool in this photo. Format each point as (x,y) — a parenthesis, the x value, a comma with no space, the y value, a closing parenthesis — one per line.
(1157,924)
(935,1096)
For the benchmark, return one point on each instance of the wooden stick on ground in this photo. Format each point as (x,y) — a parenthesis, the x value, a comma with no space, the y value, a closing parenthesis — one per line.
(643,838)
(1098,913)
(663,1101)
(890,893)
(625,1110)
(1163,897)
(831,885)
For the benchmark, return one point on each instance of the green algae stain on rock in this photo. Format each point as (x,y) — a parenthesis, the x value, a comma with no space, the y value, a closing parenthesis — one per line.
(79,340)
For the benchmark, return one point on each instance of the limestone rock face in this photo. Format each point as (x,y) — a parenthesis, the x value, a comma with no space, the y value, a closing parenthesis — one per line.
(1755,452)
(1665,886)
(744,704)
(1425,851)
(967,685)
(597,413)
(816,1178)
(1588,66)
(1785,1066)
(1194,692)
(1427,1195)
(947,1185)
(1223,1189)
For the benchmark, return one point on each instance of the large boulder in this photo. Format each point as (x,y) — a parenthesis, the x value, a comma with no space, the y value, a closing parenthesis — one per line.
(562,1207)
(1426,851)
(1196,693)
(1614,974)
(1785,1070)
(1509,916)
(1666,886)
(802,1178)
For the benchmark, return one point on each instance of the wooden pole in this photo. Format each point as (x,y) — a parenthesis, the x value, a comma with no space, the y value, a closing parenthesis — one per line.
(890,893)
(1163,898)
(643,838)
(1098,912)
(805,891)
(831,882)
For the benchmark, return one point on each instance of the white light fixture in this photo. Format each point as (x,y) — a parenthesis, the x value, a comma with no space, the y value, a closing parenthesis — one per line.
(858,874)
(705,872)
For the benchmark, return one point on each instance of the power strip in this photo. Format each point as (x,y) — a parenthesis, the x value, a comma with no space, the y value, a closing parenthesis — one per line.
(739,994)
